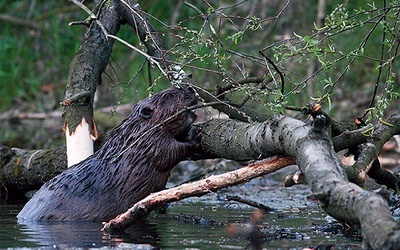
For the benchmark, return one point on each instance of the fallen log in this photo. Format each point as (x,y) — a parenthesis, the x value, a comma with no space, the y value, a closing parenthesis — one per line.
(24,170)
(313,149)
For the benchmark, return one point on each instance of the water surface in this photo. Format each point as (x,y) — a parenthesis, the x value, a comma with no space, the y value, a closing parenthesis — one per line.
(297,224)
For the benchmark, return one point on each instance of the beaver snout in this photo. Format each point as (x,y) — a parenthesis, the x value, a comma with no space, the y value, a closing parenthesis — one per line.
(190,94)
(185,126)
(191,117)
(179,129)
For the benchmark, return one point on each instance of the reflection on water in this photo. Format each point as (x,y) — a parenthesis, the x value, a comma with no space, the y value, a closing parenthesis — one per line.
(84,234)
(169,232)
(156,232)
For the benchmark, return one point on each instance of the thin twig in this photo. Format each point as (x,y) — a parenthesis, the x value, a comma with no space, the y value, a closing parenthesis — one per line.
(249,202)
(148,57)
(12,19)
(380,66)
(277,70)
(92,16)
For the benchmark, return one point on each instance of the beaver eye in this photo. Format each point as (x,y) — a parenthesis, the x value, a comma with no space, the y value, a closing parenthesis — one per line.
(146,112)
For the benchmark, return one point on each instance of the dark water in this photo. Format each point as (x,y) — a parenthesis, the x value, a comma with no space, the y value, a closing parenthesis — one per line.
(293,228)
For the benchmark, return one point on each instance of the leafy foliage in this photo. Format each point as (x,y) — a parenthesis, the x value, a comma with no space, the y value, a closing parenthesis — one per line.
(352,51)
(342,55)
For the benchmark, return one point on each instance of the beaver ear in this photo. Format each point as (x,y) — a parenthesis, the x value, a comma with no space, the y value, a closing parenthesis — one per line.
(146,112)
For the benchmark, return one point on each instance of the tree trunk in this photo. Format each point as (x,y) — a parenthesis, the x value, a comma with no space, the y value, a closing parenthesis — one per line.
(84,75)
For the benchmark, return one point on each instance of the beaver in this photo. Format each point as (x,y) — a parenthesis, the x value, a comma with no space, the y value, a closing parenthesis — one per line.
(134,161)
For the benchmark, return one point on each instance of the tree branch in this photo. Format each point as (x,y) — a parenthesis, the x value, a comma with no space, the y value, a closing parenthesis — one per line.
(198,188)
(27,23)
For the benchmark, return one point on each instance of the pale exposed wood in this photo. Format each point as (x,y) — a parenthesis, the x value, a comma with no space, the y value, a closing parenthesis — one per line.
(79,143)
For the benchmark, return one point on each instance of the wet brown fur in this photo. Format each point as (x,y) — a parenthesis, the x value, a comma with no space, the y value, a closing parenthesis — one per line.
(133,162)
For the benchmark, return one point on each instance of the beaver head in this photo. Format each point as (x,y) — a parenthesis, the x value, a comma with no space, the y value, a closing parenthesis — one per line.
(168,110)
(157,121)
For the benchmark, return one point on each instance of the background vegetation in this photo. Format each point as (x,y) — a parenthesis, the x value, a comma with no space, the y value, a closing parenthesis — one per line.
(335,55)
